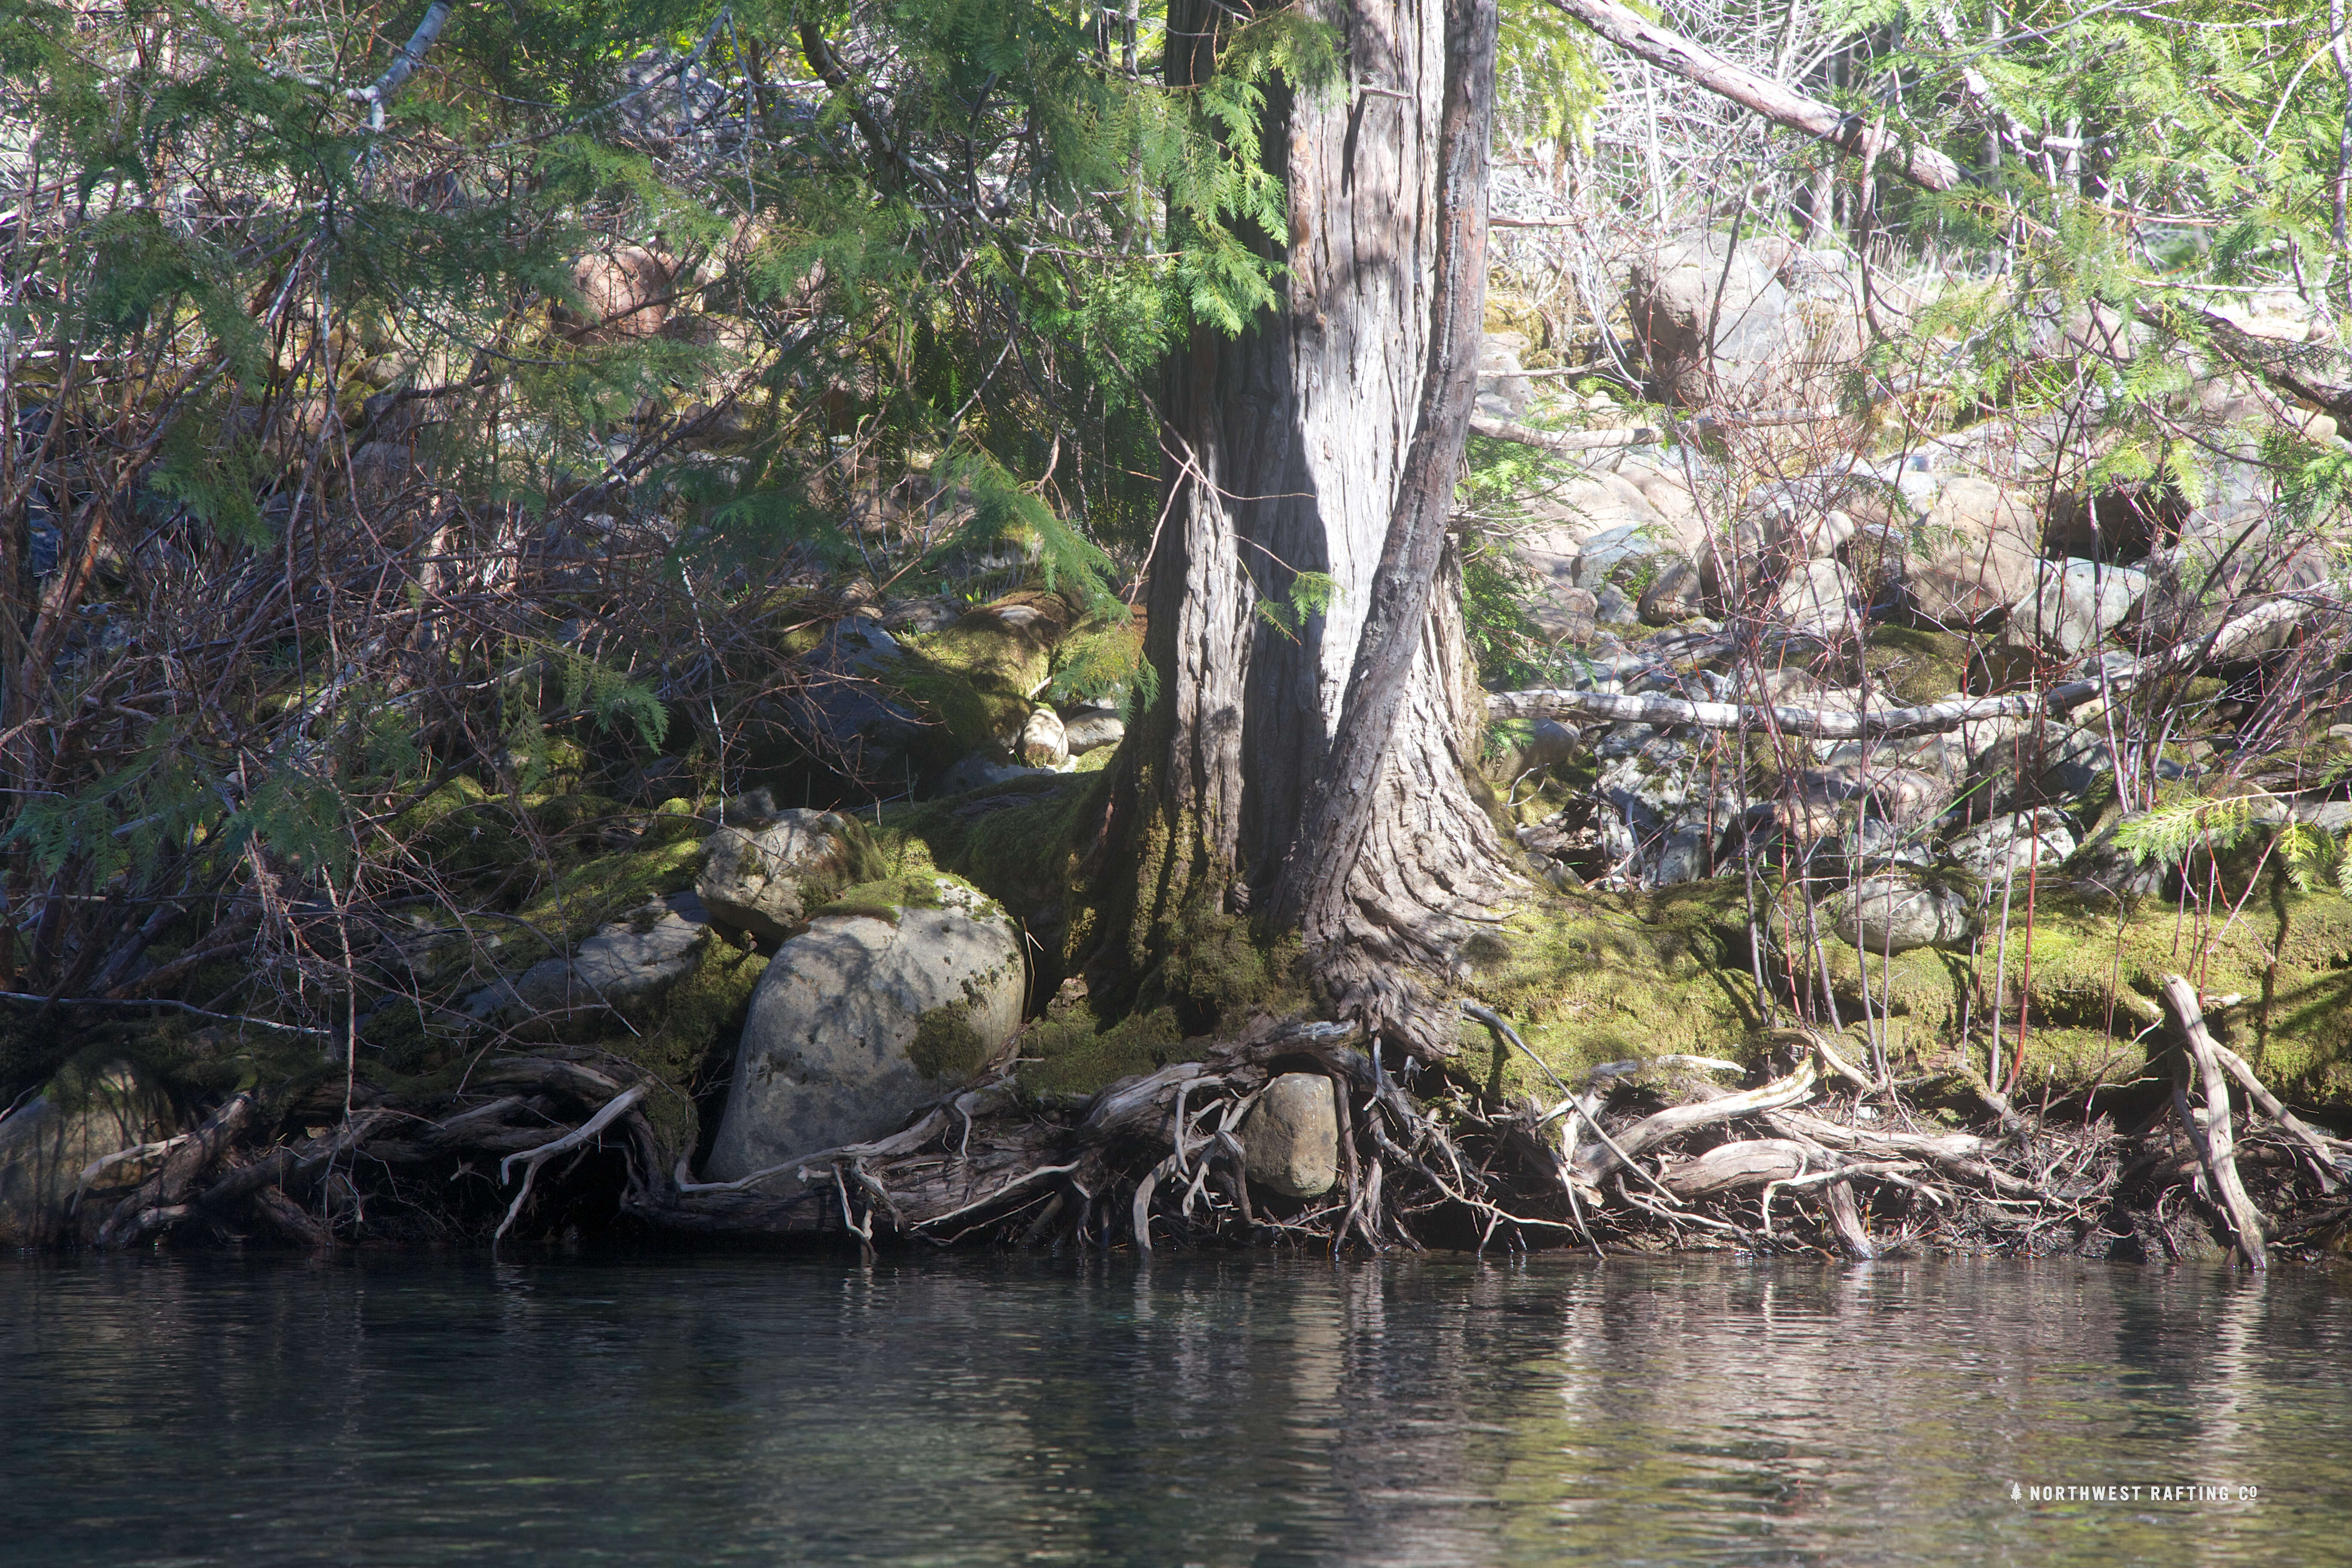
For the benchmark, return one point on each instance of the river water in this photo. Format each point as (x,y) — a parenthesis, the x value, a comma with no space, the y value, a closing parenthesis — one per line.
(1240,1410)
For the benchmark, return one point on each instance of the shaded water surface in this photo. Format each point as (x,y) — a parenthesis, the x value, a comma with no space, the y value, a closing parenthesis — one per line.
(406,1410)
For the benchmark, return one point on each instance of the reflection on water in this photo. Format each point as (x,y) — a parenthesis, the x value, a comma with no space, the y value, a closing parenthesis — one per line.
(403,1410)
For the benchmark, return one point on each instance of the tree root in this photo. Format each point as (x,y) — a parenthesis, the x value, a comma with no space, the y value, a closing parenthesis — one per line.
(1816,1160)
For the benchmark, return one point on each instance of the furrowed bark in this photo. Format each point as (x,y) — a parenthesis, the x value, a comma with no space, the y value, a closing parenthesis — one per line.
(1314,889)
(1288,450)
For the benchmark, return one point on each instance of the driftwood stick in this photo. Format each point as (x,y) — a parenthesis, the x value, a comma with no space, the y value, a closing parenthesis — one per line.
(1749,1163)
(1656,708)
(1570,1172)
(1819,1041)
(533,1159)
(1141,1215)
(1520,435)
(284,1165)
(161,1200)
(292,1219)
(1679,1119)
(1845,1221)
(105,1163)
(1023,1180)
(2214,1140)
(2325,1152)
(1927,719)
(1678,56)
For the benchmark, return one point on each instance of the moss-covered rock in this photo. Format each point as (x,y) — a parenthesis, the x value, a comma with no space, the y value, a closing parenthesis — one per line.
(583,897)
(1914,665)
(1609,977)
(678,1036)
(84,1114)
(861,1020)
(982,676)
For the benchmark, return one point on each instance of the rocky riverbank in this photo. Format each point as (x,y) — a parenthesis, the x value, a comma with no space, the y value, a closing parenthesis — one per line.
(1892,808)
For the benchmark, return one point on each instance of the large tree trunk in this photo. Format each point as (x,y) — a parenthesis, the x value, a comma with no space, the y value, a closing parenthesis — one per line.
(1293,450)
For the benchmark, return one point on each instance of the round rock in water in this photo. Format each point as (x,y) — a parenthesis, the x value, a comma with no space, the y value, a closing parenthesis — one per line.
(1291,1136)
(864,1019)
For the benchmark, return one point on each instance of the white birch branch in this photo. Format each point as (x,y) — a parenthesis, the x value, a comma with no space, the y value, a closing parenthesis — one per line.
(1927,719)
(403,64)
(2215,1141)
(1678,56)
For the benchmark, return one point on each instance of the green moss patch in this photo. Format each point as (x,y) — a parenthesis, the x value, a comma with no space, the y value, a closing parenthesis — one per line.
(981,676)
(595,892)
(887,898)
(2090,973)
(946,1048)
(1913,665)
(677,1032)
(1071,1053)
(1602,977)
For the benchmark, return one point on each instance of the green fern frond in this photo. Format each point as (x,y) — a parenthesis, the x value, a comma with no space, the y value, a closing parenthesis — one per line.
(612,697)
(1311,593)
(2309,853)
(2171,830)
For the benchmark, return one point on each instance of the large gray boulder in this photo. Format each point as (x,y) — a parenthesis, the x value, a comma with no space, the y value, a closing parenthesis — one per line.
(1674,594)
(1767,319)
(1606,551)
(1091,726)
(629,961)
(1865,816)
(78,1118)
(1290,1139)
(864,1019)
(2074,605)
(1972,555)
(839,706)
(2013,846)
(1503,388)
(1044,742)
(1818,599)
(1664,808)
(2216,572)
(1893,912)
(762,876)
(978,771)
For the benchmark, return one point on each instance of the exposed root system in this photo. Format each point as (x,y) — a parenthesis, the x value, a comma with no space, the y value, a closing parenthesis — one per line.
(1639,1156)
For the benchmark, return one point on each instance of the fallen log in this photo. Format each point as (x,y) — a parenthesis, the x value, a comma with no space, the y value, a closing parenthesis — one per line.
(1678,56)
(2329,1155)
(1728,1167)
(1591,1166)
(1520,435)
(2120,675)
(161,1201)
